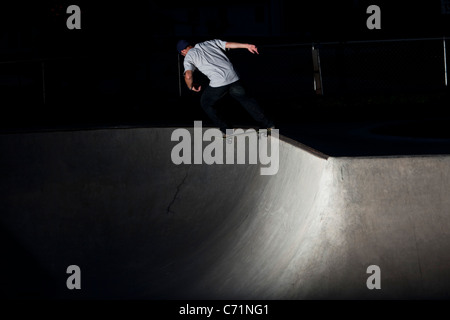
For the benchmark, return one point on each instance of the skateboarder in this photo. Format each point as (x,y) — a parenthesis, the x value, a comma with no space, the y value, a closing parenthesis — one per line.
(210,59)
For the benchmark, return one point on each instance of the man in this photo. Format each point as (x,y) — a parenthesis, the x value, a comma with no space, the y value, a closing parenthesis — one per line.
(210,59)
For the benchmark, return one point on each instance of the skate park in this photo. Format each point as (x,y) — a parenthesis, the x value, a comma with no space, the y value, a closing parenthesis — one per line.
(111,201)
(350,192)
(87,177)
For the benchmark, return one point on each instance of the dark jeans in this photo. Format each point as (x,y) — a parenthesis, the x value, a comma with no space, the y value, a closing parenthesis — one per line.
(212,94)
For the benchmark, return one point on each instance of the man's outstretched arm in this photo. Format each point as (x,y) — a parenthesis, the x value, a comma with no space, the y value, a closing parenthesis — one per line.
(236,45)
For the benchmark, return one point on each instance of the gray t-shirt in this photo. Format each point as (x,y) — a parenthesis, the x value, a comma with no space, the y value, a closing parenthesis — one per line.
(210,59)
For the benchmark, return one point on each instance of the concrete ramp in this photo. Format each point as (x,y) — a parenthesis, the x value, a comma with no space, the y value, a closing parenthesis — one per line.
(112,202)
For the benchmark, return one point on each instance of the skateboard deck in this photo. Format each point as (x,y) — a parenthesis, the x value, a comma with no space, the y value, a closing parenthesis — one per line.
(260,133)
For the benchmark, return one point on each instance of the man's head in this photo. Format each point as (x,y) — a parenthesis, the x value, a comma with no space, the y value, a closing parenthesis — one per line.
(183,47)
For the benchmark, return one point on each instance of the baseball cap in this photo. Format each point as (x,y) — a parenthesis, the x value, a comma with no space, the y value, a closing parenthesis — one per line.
(181,45)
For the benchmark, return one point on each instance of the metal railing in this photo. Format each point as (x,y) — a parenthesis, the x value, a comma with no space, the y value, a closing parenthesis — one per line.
(286,71)
(32,62)
(343,68)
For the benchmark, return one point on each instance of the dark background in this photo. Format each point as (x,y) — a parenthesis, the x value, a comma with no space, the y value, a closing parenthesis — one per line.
(122,67)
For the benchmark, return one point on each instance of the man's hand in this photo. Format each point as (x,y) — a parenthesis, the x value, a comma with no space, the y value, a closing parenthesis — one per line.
(253,49)
(196,88)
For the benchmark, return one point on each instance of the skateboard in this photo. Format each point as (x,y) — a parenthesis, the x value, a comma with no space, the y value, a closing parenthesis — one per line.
(260,133)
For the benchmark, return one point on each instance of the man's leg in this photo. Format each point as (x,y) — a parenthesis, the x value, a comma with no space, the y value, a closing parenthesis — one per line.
(237,91)
(209,98)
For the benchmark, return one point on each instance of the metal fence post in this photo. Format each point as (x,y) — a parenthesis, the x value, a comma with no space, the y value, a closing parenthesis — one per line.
(317,71)
(445,61)
(179,75)
(43,82)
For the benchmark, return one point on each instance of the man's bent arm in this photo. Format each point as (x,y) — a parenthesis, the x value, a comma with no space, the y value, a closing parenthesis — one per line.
(236,45)
(189,79)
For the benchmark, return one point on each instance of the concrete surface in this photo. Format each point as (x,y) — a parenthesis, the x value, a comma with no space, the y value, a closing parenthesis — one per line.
(139,227)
